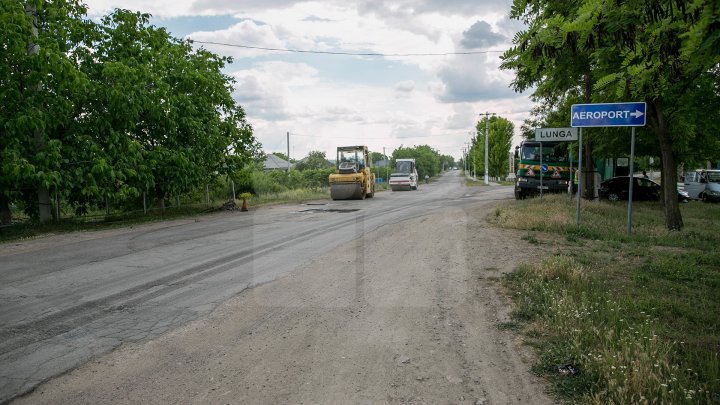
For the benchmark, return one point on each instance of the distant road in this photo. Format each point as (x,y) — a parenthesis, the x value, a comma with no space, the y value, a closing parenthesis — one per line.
(66,299)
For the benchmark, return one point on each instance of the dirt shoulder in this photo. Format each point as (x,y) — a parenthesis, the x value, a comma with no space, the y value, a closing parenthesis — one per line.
(407,314)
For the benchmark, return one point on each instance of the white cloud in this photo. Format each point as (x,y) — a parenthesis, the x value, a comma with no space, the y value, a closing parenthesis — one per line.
(325,101)
(480,35)
(265,89)
(476,78)
(404,88)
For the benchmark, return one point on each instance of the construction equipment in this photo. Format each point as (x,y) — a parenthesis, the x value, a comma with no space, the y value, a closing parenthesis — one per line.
(352,178)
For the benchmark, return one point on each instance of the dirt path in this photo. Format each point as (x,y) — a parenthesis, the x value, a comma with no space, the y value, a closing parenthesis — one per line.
(407,314)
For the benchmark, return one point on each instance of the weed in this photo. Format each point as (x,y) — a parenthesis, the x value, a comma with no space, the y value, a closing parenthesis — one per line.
(509,325)
(637,314)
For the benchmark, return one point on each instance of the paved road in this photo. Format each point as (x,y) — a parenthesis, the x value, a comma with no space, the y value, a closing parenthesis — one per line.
(68,299)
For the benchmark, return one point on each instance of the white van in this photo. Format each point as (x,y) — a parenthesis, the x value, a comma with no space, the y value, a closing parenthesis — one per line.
(703,184)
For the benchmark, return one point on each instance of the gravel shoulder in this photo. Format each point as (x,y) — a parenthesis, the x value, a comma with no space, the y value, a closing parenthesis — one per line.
(407,314)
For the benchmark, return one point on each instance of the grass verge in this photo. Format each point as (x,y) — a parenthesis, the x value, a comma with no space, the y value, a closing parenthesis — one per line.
(637,315)
(27,229)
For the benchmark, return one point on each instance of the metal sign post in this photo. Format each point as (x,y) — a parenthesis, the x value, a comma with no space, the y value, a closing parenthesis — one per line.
(610,115)
(632,180)
(580,180)
(555,134)
(570,186)
(542,172)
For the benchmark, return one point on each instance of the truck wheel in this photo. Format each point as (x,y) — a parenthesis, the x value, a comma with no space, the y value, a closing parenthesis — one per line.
(371,194)
(613,197)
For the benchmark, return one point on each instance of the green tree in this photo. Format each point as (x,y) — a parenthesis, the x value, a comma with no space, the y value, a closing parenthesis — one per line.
(39,86)
(314,160)
(555,62)
(376,157)
(500,132)
(447,162)
(102,112)
(283,156)
(427,159)
(170,104)
(664,53)
(663,61)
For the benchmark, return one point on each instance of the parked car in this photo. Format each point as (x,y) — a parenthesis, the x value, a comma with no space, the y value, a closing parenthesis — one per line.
(703,185)
(616,188)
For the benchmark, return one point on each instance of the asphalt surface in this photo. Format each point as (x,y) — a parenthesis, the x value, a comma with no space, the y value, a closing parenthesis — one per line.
(66,301)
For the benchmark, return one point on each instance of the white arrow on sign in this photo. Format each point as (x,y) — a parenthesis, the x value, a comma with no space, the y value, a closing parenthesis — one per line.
(637,114)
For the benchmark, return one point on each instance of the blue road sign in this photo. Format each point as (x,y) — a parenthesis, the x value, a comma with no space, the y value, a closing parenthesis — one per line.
(544,168)
(608,115)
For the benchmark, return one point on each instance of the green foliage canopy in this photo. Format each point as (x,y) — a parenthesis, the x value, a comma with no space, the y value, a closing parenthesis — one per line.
(120,105)
(427,159)
(314,160)
(665,53)
(500,133)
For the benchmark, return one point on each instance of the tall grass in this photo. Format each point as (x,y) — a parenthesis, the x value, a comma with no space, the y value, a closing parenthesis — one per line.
(286,196)
(637,314)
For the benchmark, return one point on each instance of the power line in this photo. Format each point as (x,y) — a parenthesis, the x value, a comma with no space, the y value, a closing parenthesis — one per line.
(373,139)
(344,53)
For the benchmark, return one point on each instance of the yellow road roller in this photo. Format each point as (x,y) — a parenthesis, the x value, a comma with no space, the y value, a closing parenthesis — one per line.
(352,178)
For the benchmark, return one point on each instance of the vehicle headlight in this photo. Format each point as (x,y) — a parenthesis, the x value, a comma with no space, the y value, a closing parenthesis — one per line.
(522,179)
(713,192)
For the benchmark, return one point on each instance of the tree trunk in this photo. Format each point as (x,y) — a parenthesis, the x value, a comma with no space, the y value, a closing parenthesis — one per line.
(673,216)
(5,214)
(44,208)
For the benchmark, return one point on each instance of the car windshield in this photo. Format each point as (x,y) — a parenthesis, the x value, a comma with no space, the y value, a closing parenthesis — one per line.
(403,167)
(713,177)
(548,152)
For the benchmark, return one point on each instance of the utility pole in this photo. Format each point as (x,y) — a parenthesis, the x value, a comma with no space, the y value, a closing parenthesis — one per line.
(45,211)
(288,144)
(387,167)
(487,118)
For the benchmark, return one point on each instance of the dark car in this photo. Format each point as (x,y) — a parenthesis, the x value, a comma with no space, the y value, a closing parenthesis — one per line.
(616,188)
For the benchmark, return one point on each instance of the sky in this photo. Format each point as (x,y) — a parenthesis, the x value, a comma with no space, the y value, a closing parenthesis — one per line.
(326,100)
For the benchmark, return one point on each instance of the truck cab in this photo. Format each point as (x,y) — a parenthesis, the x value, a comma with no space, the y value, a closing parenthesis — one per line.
(542,166)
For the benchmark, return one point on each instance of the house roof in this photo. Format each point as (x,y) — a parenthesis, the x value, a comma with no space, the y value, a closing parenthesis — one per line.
(273,162)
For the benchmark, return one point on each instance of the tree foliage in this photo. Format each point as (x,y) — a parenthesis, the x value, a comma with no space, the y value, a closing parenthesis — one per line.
(376,157)
(427,159)
(314,160)
(500,133)
(665,53)
(123,108)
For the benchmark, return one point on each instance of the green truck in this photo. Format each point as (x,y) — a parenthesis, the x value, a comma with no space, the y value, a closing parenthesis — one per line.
(530,159)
